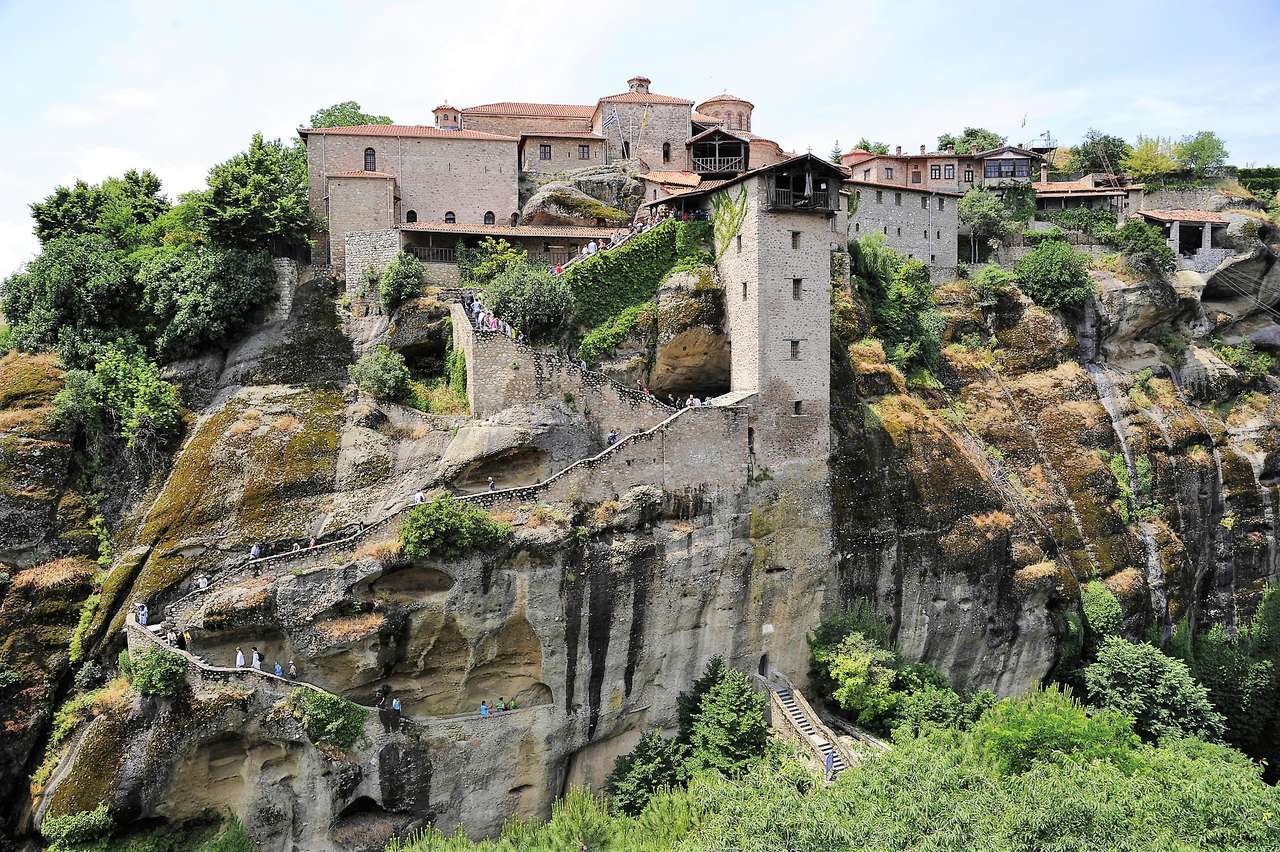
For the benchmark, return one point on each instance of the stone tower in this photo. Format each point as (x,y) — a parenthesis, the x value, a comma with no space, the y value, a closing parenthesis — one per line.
(447,117)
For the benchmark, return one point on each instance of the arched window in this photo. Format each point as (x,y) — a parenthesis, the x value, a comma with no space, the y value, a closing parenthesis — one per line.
(489,218)
(515,217)
(666,152)
(450,218)
(370,160)
(411,216)
(740,121)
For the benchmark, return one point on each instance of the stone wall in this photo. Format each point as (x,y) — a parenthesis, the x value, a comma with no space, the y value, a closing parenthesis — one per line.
(366,250)
(357,204)
(286,284)
(667,123)
(1202,198)
(514,125)
(565,154)
(917,224)
(502,373)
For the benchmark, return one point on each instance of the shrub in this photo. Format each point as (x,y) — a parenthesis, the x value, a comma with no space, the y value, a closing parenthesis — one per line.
(1156,691)
(859,676)
(1250,364)
(400,281)
(533,300)
(1049,725)
(1102,616)
(1145,250)
(606,337)
(259,197)
(87,676)
(329,720)
(447,528)
(122,397)
(993,282)
(900,299)
(381,373)
(609,281)
(480,265)
(1054,275)
(158,672)
(656,762)
(78,828)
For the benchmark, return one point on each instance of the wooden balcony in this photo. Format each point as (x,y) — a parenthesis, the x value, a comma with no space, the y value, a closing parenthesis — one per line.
(433,254)
(787,199)
(716,165)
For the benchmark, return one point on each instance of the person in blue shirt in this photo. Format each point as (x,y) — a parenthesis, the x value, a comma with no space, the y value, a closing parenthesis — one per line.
(484,710)
(279,669)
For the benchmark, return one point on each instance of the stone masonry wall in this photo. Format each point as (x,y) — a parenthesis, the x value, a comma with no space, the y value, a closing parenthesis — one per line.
(911,223)
(663,123)
(357,204)
(502,373)
(514,125)
(365,250)
(564,154)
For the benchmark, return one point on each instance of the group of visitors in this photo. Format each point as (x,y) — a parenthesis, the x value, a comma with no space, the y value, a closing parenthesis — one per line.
(503,706)
(485,320)
(694,402)
(140,610)
(388,710)
(255,661)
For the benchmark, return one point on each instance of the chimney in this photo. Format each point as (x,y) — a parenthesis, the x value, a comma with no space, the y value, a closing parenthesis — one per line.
(973,149)
(951,149)
(922,149)
(898,150)
(639,84)
(1044,172)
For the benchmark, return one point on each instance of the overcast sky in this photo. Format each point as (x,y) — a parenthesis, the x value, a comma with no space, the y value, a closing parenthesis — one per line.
(99,87)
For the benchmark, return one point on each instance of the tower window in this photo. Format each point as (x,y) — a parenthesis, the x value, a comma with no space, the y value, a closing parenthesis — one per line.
(897,198)
(489,218)
(515,217)
(795,407)
(666,152)
(738,241)
(370,160)
(857,227)
(450,218)
(941,204)
(796,284)
(926,233)
(411,216)
(795,350)
(924,202)
(795,239)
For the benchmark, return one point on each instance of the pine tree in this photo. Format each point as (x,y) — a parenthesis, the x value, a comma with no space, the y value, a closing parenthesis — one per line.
(654,763)
(835,152)
(729,730)
(687,702)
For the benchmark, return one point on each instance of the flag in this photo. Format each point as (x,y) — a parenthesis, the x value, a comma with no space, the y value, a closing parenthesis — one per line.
(610,119)
(644,119)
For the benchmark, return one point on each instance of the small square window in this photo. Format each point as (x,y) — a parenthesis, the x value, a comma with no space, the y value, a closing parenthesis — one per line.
(866,174)
(795,239)
(795,350)
(915,176)
(888,173)
(584,152)
(933,258)
(935,172)
(795,407)
(949,172)
(796,284)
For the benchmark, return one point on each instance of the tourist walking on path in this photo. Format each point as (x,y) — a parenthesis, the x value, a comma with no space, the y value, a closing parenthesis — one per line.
(395,711)
(293,671)
(255,551)
(493,486)
(257,659)
(239,658)
(612,439)
(484,710)
(279,669)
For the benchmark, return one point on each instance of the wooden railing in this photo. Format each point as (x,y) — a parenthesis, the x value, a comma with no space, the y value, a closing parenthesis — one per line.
(718,164)
(434,254)
(819,199)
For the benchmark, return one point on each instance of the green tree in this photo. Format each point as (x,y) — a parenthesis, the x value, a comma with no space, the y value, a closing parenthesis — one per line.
(1145,249)
(328,719)
(979,137)
(76,296)
(400,281)
(1151,158)
(1102,616)
(1201,153)
(866,144)
(533,300)
(687,702)
(118,209)
(122,397)
(258,198)
(199,296)
(345,114)
(986,216)
(158,672)
(729,729)
(448,528)
(1049,725)
(480,265)
(656,762)
(1055,275)
(834,154)
(859,676)
(1100,152)
(1156,691)
(381,373)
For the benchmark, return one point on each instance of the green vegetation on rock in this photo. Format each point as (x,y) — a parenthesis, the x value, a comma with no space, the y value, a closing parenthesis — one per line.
(381,373)
(401,280)
(329,720)
(1055,275)
(445,528)
(900,299)
(158,672)
(1157,692)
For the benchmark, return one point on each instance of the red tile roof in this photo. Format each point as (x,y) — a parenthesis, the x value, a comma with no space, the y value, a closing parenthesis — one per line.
(418,130)
(703,118)
(1084,186)
(561,134)
(728,97)
(1185,216)
(642,98)
(673,178)
(509,230)
(361,175)
(542,110)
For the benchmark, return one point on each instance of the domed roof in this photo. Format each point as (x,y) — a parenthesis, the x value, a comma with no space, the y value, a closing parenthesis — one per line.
(725,98)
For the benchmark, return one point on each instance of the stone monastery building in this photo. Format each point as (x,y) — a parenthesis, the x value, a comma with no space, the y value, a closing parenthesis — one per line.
(460,177)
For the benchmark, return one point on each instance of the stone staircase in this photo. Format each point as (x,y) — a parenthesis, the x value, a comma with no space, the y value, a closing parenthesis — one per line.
(801,719)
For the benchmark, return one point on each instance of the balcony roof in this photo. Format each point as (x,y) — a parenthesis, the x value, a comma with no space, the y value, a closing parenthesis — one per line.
(531,231)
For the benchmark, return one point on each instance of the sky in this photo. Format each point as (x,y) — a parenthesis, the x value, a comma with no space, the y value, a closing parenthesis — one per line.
(95,88)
